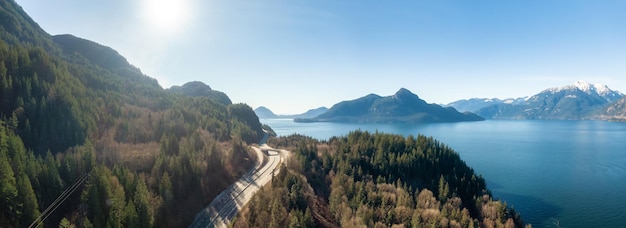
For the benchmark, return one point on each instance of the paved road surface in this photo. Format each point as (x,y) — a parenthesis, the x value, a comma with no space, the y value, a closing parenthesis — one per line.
(226,205)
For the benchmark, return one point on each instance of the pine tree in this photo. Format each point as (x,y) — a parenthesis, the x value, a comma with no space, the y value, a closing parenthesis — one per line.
(8,190)
(29,209)
(65,223)
(131,219)
(165,187)
(444,189)
(142,204)
(92,200)
(13,122)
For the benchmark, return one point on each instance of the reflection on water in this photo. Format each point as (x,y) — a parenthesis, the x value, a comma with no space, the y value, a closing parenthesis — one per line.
(572,172)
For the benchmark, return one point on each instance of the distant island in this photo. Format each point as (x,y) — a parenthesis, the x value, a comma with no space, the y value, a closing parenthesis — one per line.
(402,107)
(265,113)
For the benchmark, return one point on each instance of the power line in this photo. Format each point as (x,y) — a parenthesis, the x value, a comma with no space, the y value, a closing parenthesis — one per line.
(58,201)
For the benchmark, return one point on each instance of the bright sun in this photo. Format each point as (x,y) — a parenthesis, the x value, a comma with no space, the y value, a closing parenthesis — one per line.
(166,15)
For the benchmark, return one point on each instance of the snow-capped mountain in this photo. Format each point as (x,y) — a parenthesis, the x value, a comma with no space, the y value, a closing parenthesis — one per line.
(578,101)
(591,89)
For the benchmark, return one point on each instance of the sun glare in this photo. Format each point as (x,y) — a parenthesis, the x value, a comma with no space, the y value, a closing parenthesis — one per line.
(166,15)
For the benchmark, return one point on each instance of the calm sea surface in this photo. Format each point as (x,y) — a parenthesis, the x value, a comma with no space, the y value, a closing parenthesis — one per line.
(571,173)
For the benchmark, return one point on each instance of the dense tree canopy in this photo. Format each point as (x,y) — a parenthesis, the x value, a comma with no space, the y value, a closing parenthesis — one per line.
(71,107)
(376,180)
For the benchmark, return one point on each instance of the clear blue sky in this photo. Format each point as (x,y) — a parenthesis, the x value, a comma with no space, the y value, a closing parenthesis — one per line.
(295,55)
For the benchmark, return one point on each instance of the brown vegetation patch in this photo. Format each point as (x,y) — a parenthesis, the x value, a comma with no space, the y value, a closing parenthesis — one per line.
(322,215)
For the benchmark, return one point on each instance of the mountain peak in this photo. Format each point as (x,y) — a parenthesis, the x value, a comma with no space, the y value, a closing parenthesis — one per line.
(261,108)
(403,93)
(591,89)
(197,84)
(200,89)
(584,86)
(587,87)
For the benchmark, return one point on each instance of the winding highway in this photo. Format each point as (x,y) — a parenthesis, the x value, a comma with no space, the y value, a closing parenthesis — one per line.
(226,205)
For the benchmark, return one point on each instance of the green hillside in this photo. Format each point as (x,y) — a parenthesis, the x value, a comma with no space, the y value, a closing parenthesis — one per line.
(71,107)
(199,89)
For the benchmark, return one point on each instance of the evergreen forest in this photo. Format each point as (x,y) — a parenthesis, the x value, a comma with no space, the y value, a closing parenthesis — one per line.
(375,180)
(76,116)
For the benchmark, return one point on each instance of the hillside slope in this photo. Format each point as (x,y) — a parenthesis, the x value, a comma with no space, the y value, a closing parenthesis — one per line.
(614,112)
(71,107)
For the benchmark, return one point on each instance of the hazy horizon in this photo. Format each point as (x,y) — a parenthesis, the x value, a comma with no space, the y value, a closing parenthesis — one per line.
(294,56)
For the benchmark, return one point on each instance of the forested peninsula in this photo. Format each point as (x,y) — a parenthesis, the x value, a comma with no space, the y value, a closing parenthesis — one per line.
(375,180)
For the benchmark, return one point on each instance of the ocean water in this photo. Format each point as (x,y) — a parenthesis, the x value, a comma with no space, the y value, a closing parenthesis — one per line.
(555,173)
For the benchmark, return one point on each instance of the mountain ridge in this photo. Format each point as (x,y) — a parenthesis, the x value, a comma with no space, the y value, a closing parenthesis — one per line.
(18,28)
(475,104)
(403,106)
(591,89)
(96,53)
(580,100)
